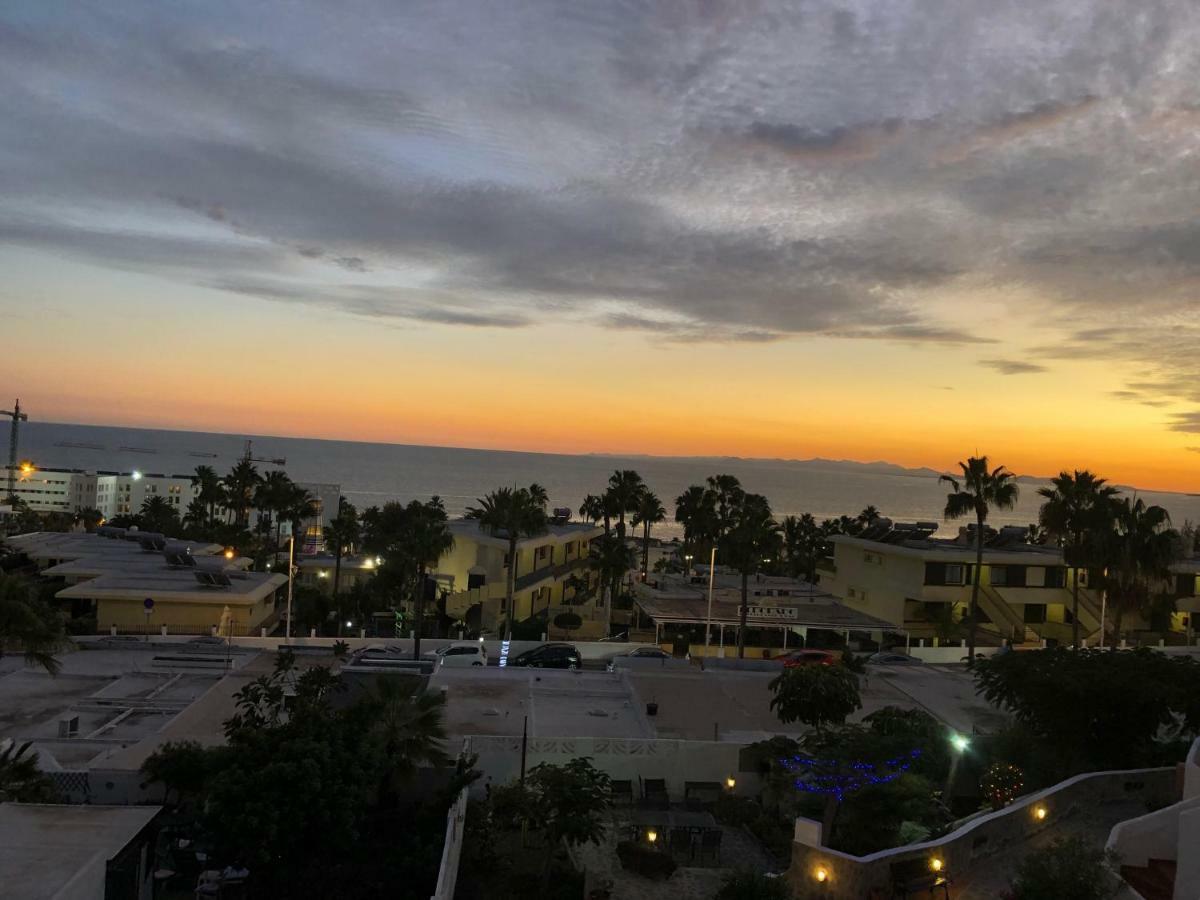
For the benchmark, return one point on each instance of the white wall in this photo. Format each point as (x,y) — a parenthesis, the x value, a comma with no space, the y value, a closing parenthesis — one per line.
(622,759)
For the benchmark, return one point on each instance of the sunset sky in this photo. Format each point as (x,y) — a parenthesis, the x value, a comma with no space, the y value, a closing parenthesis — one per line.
(892,230)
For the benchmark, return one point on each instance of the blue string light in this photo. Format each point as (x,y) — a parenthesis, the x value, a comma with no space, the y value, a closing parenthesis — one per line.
(847,777)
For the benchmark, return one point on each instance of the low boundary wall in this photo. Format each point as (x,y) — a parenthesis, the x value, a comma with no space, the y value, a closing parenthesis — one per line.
(855,877)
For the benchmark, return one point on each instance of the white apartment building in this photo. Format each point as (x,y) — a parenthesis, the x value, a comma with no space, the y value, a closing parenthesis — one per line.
(122,493)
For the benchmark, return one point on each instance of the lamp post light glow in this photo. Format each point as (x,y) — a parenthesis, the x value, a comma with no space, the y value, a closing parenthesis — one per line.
(821,874)
(1039,812)
(936,864)
(229,553)
(136,475)
(960,743)
(731,782)
(652,835)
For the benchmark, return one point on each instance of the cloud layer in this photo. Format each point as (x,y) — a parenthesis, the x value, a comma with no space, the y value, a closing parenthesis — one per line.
(720,170)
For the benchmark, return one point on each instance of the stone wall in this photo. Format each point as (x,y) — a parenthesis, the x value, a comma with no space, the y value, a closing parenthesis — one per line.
(858,878)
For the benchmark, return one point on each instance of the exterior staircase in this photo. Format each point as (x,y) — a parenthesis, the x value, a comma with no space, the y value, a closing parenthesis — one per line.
(1004,617)
(1154,881)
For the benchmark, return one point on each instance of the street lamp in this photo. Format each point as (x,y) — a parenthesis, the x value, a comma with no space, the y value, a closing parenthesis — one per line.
(960,743)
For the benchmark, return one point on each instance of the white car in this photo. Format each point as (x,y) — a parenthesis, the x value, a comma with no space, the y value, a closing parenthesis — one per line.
(462,653)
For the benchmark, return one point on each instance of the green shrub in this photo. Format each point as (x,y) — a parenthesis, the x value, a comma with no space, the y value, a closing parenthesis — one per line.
(745,884)
(1068,869)
(644,861)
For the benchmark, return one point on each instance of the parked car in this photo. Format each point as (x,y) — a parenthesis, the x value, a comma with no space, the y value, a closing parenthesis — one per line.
(809,658)
(891,658)
(461,653)
(380,651)
(549,656)
(639,653)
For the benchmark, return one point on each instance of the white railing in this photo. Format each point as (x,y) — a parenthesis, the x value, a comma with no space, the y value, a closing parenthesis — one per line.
(456,823)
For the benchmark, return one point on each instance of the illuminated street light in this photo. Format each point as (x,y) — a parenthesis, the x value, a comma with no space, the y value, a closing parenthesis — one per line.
(136,475)
(960,742)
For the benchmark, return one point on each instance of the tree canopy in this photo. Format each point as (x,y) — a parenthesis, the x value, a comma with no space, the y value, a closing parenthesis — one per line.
(1096,708)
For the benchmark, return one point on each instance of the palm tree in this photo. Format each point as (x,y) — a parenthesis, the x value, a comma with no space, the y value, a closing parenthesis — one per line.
(802,544)
(513,513)
(868,517)
(27,621)
(298,506)
(429,538)
(751,535)
(625,488)
(592,508)
(21,780)
(240,485)
(408,727)
(209,489)
(1139,551)
(649,512)
(696,511)
(158,515)
(1077,509)
(273,494)
(610,557)
(979,490)
(341,534)
(727,494)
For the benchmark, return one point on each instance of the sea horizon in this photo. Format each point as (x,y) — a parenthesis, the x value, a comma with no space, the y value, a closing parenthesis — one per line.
(375,472)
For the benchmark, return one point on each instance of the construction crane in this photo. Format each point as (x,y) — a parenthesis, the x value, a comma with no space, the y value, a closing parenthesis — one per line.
(249,457)
(17,418)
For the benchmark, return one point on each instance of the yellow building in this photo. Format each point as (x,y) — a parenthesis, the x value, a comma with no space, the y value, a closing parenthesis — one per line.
(903,574)
(139,583)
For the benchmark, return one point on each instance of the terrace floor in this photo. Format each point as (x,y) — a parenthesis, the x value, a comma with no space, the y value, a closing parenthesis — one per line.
(691,881)
(992,877)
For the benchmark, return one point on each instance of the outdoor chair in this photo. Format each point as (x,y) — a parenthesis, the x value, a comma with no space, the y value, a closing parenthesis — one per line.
(710,843)
(681,842)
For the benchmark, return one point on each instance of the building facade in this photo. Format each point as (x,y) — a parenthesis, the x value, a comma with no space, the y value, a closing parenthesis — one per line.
(1025,595)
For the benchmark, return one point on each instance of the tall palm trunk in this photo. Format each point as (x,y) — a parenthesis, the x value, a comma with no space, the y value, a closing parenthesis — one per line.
(420,616)
(511,587)
(646,551)
(973,624)
(741,643)
(337,570)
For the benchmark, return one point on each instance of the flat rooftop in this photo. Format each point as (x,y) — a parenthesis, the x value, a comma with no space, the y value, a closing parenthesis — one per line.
(72,545)
(44,847)
(560,531)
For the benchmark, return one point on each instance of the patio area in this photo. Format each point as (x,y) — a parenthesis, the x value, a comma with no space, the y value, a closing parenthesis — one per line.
(704,850)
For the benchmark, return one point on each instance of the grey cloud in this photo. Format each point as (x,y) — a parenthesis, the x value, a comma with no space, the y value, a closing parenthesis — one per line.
(671,160)
(1188,422)
(1012,366)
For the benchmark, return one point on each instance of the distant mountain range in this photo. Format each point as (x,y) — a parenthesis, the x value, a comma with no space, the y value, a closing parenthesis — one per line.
(816,463)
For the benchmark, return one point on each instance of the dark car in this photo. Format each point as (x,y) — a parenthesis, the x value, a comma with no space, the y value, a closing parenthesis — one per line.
(549,656)
(809,658)
(891,658)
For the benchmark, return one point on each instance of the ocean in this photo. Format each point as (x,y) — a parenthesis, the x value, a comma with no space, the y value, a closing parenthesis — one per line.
(373,474)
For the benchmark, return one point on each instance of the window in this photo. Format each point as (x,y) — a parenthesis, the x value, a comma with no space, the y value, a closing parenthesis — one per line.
(872,559)
(1056,577)
(999,576)
(1185,585)
(1034,613)
(954,573)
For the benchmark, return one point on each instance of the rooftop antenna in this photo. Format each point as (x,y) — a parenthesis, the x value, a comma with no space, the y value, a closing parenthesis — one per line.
(17,418)
(249,456)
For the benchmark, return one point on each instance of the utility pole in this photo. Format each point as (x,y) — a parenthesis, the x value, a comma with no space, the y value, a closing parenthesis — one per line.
(17,418)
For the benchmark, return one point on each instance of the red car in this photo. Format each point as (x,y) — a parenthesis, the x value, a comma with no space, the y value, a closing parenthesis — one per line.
(809,658)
